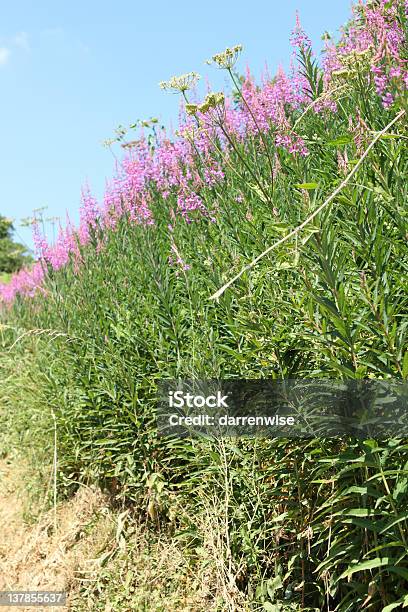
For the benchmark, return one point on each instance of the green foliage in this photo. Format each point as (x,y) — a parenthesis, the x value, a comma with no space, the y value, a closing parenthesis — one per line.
(13,256)
(296,525)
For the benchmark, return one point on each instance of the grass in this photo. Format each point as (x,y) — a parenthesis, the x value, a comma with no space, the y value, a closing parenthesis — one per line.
(282,525)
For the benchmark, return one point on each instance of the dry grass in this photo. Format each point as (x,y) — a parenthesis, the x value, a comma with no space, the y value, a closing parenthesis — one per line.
(38,557)
(104,558)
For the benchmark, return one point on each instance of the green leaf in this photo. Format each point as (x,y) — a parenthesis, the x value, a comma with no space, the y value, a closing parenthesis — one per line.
(306,185)
(273,585)
(392,606)
(400,571)
(341,140)
(405,365)
(365,523)
(390,136)
(356,512)
(261,195)
(271,607)
(366,565)
(403,517)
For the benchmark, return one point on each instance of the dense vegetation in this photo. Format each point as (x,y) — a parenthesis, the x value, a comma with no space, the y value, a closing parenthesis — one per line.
(13,256)
(125,301)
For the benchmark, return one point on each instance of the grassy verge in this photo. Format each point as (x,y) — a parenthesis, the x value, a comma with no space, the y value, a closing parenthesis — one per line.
(280,524)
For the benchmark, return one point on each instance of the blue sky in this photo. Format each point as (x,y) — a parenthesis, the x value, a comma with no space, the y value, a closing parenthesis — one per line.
(71,72)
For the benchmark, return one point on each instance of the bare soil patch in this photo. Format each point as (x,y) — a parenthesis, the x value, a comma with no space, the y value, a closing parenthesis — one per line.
(55,552)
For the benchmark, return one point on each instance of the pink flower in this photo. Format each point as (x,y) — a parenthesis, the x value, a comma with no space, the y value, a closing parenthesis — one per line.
(299,38)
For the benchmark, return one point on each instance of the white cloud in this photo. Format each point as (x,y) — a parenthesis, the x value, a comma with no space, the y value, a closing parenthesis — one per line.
(4,55)
(21,40)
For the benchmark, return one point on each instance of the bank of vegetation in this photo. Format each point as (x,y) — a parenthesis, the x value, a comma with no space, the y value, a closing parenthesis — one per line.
(295,189)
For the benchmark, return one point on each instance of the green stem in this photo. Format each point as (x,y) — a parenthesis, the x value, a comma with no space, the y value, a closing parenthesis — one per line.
(261,134)
(253,175)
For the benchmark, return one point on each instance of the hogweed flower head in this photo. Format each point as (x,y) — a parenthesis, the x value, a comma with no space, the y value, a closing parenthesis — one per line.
(357,60)
(109,142)
(191,109)
(228,58)
(189,133)
(343,73)
(181,83)
(212,100)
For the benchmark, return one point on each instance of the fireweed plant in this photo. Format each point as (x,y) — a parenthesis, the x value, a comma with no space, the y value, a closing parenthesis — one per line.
(314,162)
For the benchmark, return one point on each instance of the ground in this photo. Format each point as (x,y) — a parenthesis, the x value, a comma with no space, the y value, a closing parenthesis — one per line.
(100,556)
(57,550)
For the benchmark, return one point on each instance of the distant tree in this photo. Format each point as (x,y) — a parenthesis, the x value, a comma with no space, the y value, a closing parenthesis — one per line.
(13,255)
